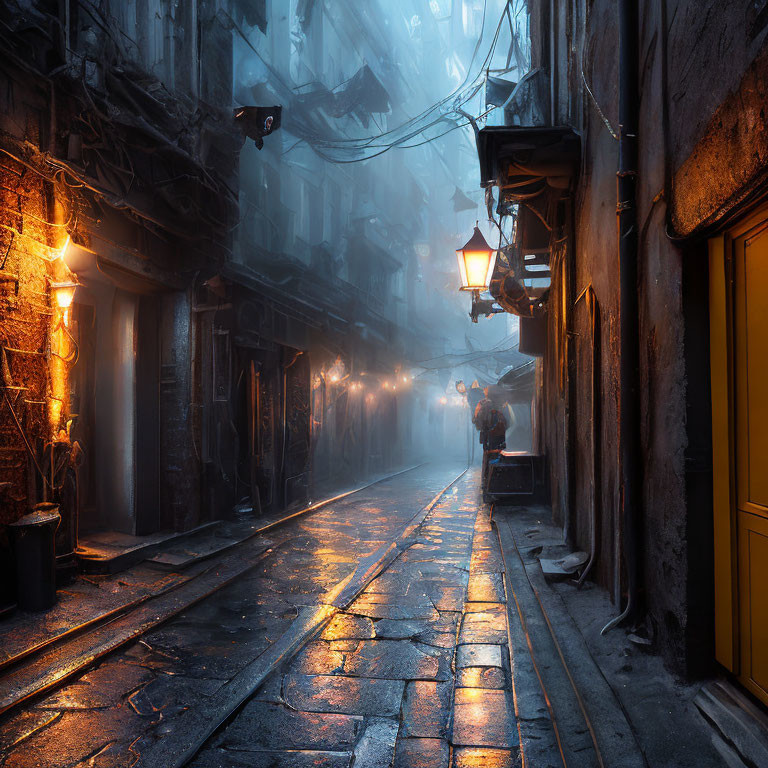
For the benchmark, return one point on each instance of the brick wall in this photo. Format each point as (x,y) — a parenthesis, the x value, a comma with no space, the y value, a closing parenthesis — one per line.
(27,241)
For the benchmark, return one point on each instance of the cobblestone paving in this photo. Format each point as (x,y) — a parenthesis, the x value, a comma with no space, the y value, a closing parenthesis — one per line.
(414,674)
(108,716)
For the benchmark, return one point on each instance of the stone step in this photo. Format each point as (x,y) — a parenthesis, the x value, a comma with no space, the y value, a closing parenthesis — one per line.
(186,553)
(111,552)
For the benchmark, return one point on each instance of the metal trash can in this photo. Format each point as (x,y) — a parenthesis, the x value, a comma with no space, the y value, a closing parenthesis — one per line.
(33,539)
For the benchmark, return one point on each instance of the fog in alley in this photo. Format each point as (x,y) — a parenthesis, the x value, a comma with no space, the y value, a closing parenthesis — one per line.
(381,384)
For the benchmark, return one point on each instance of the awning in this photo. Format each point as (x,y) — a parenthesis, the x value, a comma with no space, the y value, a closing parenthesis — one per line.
(362,95)
(523,162)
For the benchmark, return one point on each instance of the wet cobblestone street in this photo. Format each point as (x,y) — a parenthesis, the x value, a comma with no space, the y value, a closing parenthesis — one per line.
(414,671)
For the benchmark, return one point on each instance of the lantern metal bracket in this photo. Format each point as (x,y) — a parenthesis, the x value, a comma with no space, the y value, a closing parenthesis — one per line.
(487,307)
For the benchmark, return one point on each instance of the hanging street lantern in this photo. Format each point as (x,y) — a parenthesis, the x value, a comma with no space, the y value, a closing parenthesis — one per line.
(476,262)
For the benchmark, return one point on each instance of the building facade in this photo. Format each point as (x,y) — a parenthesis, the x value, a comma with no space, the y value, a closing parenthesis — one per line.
(119,185)
(186,321)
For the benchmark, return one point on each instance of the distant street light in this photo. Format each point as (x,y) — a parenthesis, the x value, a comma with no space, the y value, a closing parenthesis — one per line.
(476,262)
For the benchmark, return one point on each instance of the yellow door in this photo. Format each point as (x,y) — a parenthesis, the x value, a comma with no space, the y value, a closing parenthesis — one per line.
(750,324)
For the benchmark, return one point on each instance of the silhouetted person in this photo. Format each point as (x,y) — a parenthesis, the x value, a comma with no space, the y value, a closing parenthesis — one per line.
(489,421)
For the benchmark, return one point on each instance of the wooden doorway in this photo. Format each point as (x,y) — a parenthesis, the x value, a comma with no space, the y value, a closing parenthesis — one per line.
(739,337)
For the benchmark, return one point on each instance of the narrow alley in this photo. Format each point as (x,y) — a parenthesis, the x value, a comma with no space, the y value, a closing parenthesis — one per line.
(383,384)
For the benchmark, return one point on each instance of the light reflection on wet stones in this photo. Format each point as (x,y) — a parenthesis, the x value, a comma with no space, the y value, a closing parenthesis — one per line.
(483,717)
(486,561)
(79,735)
(103,687)
(22,726)
(346,626)
(447,598)
(344,645)
(473,757)
(318,658)
(480,677)
(392,659)
(350,695)
(489,626)
(438,639)
(389,655)
(426,709)
(422,753)
(384,607)
(486,587)
(478,655)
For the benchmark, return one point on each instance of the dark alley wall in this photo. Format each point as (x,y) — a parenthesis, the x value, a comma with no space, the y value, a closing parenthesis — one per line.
(702,155)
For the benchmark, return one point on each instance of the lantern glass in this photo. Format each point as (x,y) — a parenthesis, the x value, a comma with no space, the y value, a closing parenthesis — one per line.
(476,262)
(476,269)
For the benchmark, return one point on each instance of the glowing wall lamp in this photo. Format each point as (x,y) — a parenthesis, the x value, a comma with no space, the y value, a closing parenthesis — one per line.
(476,262)
(64,293)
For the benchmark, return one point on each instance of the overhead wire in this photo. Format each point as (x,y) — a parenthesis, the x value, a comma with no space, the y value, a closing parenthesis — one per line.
(455,93)
(461,95)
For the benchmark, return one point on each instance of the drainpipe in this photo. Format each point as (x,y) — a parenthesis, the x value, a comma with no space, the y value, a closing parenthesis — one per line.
(629,372)
(593,308)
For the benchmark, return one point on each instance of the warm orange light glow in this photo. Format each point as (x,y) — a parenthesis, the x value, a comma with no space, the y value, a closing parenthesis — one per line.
(476,263)
(63,250)
(443,400)
(58,368)
(64,293)
(385,384)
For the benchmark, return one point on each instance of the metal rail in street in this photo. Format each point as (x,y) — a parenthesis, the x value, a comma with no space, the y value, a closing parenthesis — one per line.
(197,726)
(48,665)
